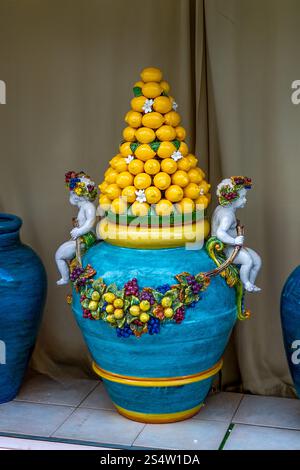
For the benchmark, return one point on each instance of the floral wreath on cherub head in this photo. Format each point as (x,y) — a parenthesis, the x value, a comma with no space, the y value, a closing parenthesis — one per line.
(81,184)
(228,189)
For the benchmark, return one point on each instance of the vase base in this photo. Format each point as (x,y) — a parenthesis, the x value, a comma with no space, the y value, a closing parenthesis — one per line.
(158,418)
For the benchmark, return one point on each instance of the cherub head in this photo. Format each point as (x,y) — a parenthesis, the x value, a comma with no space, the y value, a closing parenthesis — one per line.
(81,187)
(232,191)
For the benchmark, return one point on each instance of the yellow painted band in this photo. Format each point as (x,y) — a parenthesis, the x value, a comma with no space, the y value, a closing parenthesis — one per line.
(152,237)
(158,418)
(158,382)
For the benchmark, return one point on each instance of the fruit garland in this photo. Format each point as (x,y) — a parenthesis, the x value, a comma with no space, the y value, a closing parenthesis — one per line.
(135,311)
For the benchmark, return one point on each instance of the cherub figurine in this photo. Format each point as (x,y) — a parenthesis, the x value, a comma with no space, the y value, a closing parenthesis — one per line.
(82,194)
(231,194)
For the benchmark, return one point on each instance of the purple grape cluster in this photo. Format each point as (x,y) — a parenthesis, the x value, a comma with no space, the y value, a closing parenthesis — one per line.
(87,314)
(179,315)
(145,295)
(77,271)
(81,281)
(131,287)
(153,326)
(195,285)
(124,332)
(164,288)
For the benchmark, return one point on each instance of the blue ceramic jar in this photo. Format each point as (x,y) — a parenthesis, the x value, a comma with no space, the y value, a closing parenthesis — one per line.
(290,319)
(163,377)
(23,286)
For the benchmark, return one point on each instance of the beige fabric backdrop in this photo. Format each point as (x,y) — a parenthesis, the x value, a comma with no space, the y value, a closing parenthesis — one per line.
(69,66)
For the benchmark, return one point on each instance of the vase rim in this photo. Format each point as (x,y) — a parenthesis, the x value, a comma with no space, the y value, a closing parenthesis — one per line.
(9,223)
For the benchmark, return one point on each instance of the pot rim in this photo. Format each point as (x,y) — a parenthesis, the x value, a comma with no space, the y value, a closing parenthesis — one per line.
(9,223)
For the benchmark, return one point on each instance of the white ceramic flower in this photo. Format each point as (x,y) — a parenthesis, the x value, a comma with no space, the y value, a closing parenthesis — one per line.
(140,195)
(147,108)
(176,155)
(174,105)
(129,158)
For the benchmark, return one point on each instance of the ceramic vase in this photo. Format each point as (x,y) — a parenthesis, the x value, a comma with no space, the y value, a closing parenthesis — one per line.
(22,296)
(290,319)
(163,377)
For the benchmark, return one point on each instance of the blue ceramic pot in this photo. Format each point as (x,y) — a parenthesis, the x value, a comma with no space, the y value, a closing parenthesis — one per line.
(22,296)
(163,377)
(290,319)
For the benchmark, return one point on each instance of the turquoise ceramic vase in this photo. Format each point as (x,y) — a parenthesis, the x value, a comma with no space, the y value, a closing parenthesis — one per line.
(290,319)
(22,297)
(163,377)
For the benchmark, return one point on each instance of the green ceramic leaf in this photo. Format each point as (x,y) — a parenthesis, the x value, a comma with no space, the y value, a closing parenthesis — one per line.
(130,319)
(134,146)
(85,303)
(121,322)
(120,294)
(97,282)
(137,91)
(176,143)
(89,293)
(155,145)
(176,304)
(96,314)
(134,300)
(126,304)
(157,296)
(172,294)
(188,291)
(112,288)
(190,298)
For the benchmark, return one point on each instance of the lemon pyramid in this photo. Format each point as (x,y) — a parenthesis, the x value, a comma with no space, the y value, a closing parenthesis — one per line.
(154,172)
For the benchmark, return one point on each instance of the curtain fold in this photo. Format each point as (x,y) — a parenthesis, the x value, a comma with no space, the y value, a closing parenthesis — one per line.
(69,67)
(251,51)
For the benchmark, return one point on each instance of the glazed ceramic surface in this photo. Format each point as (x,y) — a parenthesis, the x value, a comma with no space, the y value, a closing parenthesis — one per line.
(188,349)
(290,318)
(22,297)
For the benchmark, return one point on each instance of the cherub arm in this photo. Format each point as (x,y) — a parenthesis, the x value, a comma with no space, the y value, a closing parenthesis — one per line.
(90,213)
(222,233)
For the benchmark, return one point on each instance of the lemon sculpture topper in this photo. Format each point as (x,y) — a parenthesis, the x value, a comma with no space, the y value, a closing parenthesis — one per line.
(154,176)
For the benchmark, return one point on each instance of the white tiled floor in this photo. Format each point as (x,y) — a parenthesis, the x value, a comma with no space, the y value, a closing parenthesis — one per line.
(245,437)
(99,426)
(269,411)
(42,389)
(220,407)
(191,434)
(98,399)
(80,413)
(32,418)
(10,443)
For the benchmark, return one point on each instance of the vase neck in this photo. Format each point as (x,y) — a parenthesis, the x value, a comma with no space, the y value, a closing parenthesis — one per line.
(9,240)
(9,230)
